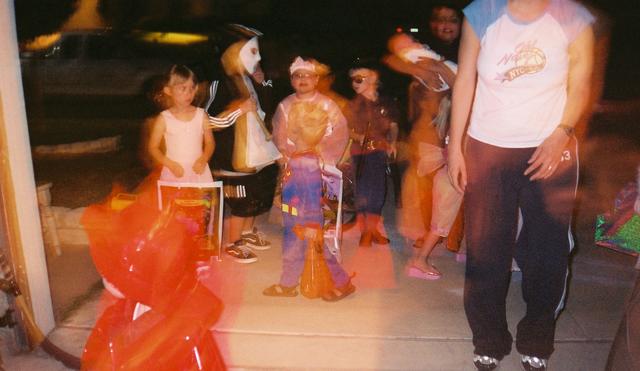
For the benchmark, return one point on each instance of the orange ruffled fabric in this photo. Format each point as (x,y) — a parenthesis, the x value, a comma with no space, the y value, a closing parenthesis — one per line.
(149,257)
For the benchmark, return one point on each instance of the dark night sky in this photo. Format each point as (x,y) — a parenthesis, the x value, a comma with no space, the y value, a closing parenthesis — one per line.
(360,27)
(339,30)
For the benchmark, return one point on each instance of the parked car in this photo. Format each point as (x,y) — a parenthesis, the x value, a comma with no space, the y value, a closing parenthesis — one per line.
(102,62)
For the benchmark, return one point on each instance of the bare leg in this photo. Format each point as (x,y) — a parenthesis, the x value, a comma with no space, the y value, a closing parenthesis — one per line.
(248,223)
(236,225)
(421,257)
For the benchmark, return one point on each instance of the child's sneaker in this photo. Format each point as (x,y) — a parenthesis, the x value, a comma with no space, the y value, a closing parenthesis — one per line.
(255,240)
(240,252)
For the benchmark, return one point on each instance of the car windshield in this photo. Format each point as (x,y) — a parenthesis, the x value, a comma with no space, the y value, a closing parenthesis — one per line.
(106,47)
(67,49)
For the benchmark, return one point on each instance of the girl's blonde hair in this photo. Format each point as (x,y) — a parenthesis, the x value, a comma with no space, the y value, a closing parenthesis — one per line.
(177,74)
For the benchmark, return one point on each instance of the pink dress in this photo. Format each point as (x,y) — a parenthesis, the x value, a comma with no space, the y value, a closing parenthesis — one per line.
(184,141)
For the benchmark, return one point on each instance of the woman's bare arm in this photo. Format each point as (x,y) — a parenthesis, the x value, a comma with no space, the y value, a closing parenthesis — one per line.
(463,93)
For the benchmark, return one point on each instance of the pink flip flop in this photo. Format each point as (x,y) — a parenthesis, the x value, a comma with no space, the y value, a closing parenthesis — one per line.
(418,273)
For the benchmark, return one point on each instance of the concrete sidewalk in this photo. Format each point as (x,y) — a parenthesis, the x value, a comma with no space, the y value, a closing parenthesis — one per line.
(392,322)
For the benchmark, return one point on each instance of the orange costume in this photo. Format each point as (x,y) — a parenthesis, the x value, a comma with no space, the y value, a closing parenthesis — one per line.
(147,259)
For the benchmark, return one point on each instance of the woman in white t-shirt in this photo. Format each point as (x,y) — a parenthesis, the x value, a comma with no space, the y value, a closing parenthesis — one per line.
(523,76)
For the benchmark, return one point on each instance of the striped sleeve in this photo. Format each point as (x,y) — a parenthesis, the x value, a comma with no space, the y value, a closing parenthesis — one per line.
(224,119)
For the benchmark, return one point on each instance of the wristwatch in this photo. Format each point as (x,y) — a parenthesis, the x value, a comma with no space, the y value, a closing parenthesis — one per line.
(568,129)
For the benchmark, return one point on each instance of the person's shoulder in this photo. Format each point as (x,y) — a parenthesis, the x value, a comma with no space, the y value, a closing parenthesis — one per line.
(288,99)
(572,16)
(482,13)
(322,98)
(200,111)
(353,102)
(485,6)
(159,121)
(566,4)
(326,102)
(164,114)
(568,10)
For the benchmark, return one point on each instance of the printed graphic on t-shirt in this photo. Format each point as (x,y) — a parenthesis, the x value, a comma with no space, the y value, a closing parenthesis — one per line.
(527,59)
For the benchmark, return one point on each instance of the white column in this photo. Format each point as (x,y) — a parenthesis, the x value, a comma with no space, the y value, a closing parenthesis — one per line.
(17,156)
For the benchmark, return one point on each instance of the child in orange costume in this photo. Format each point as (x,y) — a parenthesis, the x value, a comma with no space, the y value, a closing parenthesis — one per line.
(302,203)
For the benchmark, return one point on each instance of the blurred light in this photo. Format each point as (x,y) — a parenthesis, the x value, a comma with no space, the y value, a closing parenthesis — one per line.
(398,29)
(85,17)
(172,37)
(414,29)
(42,42)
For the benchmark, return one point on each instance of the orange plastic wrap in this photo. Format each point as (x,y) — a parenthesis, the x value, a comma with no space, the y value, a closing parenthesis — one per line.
(316,278)
(148,257)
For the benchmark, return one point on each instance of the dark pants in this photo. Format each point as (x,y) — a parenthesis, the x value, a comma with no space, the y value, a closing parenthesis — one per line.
(396,172)
(371,185)
(496,191)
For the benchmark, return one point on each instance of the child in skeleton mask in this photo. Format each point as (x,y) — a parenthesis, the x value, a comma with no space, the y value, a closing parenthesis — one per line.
(244,157)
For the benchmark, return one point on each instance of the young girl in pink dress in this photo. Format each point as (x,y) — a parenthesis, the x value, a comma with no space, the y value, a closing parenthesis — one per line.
(184,127)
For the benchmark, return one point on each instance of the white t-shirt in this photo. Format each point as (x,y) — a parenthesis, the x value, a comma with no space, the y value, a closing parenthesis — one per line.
(522,71)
